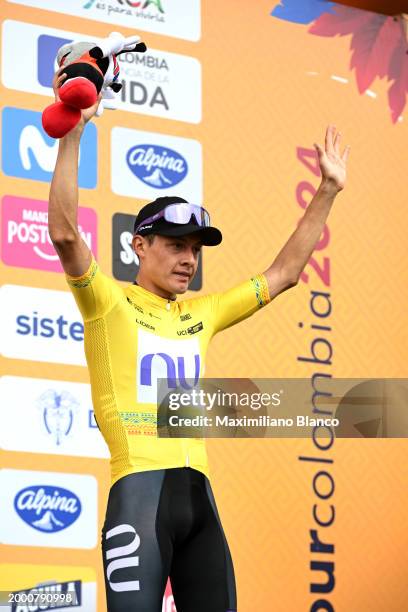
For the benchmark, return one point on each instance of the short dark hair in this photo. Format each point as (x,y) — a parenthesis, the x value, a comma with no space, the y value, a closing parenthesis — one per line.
(150,238)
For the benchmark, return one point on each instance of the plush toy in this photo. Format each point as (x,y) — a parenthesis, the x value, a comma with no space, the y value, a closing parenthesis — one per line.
(90,69)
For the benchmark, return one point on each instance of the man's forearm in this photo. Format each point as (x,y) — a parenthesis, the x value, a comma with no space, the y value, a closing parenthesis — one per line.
(63,202)
(288,265)
(295,254)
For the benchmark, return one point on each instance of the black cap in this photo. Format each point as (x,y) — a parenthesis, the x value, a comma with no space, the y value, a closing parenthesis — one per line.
(209,236)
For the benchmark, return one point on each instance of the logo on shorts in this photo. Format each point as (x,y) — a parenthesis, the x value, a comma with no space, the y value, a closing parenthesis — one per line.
(157,166)
(46,508)
(120,567)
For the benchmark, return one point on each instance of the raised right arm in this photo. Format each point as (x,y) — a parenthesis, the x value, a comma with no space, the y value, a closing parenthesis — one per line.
(74,254)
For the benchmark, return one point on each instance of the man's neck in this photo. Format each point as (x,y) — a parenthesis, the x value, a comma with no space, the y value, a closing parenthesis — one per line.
(147,284)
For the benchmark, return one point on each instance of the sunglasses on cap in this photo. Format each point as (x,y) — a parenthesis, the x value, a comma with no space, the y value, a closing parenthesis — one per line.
(179,213)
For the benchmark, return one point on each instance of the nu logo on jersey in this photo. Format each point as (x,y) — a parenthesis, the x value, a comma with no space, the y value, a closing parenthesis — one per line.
(157,166)
(161,359)
(120,558)
(175,370)
(46,508)
(28,152)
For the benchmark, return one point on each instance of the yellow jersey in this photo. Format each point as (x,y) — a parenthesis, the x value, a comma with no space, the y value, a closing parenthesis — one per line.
(133,338)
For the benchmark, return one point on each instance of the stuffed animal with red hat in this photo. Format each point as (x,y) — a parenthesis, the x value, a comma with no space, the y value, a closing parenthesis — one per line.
(91,68)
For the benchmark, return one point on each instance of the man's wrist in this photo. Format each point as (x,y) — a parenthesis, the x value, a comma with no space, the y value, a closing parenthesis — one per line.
(73,136)
(329,187)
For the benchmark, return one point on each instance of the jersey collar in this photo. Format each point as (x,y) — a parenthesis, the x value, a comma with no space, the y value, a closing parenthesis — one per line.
(151,298)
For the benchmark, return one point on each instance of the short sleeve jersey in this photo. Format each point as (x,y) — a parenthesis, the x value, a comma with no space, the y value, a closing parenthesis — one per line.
(132,339)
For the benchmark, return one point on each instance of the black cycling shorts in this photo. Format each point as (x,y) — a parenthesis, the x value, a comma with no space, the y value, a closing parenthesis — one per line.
(164,523)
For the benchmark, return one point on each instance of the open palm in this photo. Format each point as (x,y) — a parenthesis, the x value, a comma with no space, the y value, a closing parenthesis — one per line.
(332,162)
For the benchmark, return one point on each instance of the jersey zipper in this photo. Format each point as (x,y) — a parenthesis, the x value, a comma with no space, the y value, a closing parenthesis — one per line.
(185,451)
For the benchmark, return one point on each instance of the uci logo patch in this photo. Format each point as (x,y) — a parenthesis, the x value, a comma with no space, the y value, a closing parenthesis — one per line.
(46,508)
(157,166)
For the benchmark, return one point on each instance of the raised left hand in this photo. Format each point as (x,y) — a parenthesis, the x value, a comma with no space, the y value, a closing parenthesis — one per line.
(332,163)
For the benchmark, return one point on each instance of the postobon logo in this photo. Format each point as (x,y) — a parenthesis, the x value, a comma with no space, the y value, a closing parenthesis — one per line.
(25,239)
(120,558)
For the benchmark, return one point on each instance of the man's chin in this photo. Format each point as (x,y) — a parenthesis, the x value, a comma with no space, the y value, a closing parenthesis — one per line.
(180,285)
(180,288)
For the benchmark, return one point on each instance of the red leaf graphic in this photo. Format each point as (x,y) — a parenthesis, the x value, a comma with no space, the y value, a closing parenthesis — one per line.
(379,49)
(343,21)
(373,46)
(398,71)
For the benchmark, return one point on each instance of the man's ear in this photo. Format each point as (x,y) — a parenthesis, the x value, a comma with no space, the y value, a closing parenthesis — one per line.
(139,245)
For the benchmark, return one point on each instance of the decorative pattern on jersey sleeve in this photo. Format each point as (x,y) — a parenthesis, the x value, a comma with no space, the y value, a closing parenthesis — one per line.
(83,281)
(261,290)
(139,423)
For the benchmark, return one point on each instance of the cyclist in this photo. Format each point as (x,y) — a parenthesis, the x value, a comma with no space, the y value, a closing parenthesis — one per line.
(161,517)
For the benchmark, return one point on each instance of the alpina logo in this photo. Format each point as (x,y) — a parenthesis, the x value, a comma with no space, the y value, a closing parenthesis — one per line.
(46,508)
(157,166)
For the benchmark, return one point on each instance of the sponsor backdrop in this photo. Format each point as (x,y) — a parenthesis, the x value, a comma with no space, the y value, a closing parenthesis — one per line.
(223,109)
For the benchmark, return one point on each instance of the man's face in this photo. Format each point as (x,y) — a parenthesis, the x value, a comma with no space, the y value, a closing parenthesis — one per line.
(170,263)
